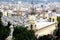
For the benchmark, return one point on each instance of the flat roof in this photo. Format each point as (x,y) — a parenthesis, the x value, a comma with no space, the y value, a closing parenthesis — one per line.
(41,25)
(58,15)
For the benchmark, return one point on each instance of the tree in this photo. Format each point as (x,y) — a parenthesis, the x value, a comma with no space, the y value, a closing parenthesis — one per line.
(45,37)
(21,33)
(58,39)
(58,19)
(1,14)
(57,33)
(0,18)
(4,32)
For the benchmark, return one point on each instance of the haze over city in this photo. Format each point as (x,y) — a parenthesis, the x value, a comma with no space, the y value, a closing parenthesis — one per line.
(35,1)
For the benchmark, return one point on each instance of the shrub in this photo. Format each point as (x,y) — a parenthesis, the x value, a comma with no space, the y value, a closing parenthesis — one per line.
(58,19)
(45,37)
(1,14)
(4,31)
(22,33)
(57,33)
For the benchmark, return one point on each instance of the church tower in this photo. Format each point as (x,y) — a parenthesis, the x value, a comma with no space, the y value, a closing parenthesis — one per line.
(32,18)
(54,17)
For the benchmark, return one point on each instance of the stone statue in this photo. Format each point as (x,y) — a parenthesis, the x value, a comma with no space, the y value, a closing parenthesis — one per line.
(11,33)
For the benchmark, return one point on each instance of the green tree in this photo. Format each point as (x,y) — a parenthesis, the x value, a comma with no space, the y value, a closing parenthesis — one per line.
(1,14)
(58,39)
(4,31)
(57,33)
(21,33)
(58,19)
(45,37)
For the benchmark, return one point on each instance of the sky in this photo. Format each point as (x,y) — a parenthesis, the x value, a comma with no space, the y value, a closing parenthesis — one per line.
(35,1)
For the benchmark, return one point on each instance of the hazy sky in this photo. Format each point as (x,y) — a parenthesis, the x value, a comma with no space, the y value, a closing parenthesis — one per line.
(30,0)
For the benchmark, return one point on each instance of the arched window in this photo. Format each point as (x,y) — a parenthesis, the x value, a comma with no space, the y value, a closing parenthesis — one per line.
(53,20)
(31,26)
(49,19)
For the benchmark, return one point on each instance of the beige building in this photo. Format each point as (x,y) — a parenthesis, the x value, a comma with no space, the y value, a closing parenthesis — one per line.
(43,28)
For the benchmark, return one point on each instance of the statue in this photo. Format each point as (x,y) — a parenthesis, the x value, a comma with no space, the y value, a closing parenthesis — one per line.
(11,33)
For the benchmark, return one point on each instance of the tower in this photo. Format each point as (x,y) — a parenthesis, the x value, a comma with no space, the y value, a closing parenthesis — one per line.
(54,17)
(32,18)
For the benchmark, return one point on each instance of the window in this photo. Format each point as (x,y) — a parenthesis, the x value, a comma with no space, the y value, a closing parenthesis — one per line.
(49,19)
(31,26)
(53,20)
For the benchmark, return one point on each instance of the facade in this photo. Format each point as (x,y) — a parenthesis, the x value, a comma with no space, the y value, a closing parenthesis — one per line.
(49,29)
